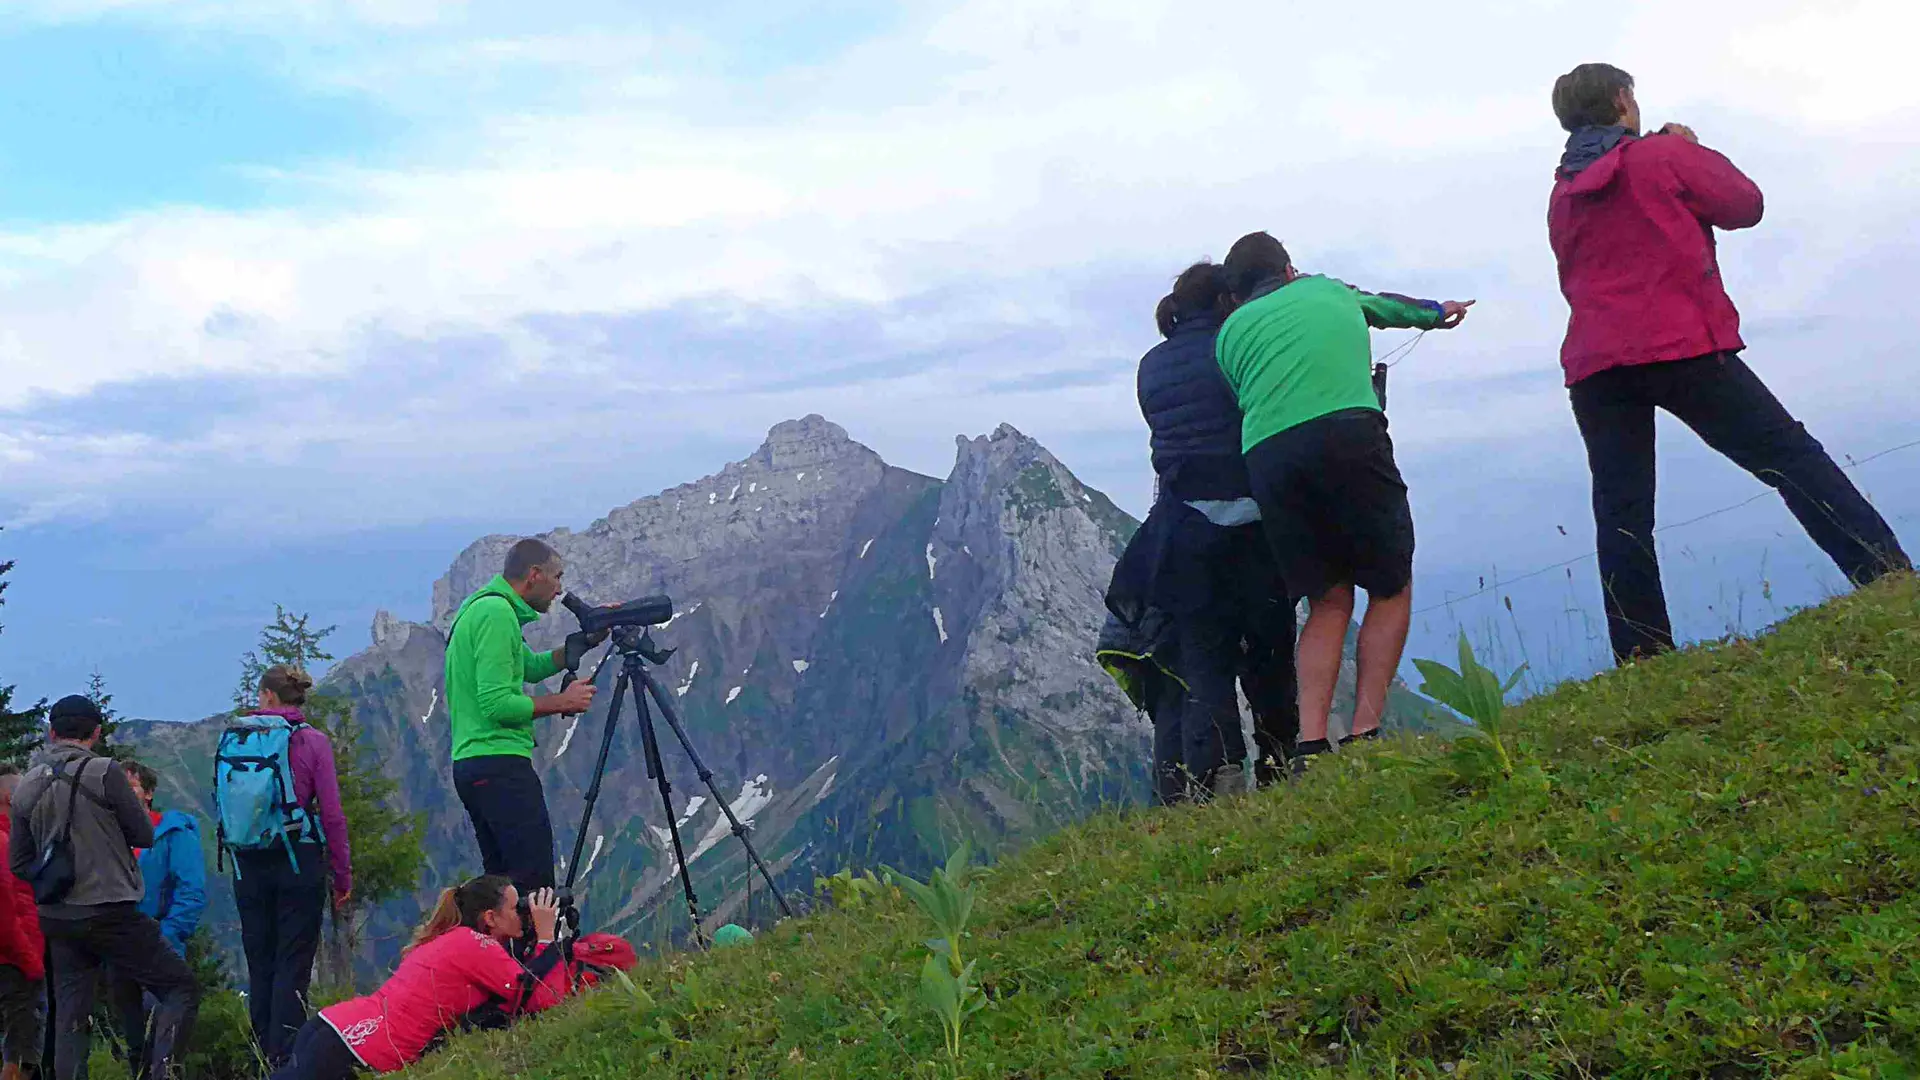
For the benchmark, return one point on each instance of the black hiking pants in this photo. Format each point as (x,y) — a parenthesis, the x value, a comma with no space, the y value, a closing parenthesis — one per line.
(1166,702)
(20,1019)
(130,1008)
(1246,627)
(508,809)
(320,1054)
(117,936)
(280,910)
(1727,405)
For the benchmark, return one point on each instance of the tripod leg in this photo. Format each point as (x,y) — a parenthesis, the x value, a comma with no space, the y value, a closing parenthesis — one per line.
(599,773)
(652,744)
(654,690)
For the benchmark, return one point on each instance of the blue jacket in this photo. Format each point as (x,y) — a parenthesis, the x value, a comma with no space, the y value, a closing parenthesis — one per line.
(175,872)
(1193,416)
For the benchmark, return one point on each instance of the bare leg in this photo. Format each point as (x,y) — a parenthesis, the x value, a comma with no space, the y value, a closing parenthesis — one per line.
(1383,637)
(1319,659)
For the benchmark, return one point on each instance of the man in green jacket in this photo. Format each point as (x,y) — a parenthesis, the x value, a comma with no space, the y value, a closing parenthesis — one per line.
(1299,358)
(488,667)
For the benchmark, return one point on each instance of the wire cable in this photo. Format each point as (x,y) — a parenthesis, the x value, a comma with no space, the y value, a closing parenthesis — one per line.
(1564,563)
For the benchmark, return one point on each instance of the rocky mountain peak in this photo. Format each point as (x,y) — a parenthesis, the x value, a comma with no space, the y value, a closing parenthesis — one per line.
(390,634)
(808,442)
(875,664)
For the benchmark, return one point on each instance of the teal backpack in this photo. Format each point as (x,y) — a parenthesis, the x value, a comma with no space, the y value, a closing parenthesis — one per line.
(253,800)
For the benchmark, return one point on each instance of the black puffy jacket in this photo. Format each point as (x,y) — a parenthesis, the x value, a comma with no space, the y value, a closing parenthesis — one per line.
(1193,415)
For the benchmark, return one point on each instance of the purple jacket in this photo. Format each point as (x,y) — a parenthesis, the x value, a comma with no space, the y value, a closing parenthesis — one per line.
(316,787)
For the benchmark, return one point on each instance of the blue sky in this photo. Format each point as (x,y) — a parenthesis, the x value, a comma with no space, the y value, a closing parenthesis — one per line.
(298,296)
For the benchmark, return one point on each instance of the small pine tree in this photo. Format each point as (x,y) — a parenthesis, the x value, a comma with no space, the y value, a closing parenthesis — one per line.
(289,639)
(21,730)
(109,717)
(387,855)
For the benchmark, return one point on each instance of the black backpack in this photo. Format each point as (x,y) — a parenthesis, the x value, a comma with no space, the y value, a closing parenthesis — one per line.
(53,873)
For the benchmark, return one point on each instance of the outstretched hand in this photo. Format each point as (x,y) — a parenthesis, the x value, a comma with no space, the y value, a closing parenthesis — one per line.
(1681,130)
(1452,312)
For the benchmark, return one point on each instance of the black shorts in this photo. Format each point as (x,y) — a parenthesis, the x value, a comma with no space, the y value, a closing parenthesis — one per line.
(1334,506)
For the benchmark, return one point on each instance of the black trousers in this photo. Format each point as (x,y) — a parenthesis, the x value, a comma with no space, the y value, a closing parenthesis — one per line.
(319,1054)
(1246,628)
(1166,703)
(280,911)
(120,937)
(508,809)
(1272,685)
(20,1019)
(130,1005)
(1727,405)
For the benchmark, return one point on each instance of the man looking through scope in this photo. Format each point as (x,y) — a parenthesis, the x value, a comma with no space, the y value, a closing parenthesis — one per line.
(488,668)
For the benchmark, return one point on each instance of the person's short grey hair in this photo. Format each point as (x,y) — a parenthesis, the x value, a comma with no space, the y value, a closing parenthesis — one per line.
(524,556)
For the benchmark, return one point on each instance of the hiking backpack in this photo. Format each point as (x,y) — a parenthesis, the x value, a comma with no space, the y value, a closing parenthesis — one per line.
(253,800)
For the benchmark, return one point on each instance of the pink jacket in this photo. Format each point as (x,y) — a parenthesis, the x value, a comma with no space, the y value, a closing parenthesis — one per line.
(1633,235)
(437,984)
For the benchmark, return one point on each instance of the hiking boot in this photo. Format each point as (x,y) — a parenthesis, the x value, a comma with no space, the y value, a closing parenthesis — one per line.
(1304,753)
(1227,780)
(1365,736)
(1268,772)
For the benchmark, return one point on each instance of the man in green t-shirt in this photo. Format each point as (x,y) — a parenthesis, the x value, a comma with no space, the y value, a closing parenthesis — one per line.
(1298,355)
(488,668)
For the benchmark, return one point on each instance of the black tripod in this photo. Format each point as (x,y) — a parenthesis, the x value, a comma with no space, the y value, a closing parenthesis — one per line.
(634,645)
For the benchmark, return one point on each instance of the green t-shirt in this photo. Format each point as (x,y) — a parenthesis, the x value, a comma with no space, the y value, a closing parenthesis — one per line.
(488,668)
(1302,351)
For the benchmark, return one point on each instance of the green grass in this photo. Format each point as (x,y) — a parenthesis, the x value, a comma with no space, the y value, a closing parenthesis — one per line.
(1716,880)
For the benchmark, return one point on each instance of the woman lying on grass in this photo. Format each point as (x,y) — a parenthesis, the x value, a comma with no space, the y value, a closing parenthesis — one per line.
(458,965)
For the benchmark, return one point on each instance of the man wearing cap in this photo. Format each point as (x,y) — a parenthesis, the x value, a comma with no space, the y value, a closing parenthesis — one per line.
(75,798)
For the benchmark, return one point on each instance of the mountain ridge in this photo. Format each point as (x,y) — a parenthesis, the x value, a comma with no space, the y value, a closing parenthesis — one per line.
(875,663)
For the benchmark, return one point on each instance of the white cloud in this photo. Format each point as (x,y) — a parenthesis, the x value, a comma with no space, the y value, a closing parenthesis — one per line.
(1004,150)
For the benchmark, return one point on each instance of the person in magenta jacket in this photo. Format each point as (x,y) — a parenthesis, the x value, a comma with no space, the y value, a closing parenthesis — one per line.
(457,967)
(1632,222)
(281,900)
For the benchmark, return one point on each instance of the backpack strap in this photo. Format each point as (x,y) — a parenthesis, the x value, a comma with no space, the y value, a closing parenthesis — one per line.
(73,798)
(469,607)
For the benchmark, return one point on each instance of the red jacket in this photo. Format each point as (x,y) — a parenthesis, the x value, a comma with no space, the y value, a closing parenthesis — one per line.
(21,945)
(437,984)
(1633,234)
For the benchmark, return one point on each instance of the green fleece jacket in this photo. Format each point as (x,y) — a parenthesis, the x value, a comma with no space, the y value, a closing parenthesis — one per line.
(488,668)
(1302,351)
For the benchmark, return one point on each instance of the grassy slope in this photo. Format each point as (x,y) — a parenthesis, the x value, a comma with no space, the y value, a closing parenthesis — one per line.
(1719,882)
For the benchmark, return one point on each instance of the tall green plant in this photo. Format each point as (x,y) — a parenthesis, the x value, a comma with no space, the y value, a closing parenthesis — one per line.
(387,854)
(1476,693)
(946,979)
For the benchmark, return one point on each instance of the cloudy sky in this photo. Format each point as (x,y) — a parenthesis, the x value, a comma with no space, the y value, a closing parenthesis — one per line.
(298,296)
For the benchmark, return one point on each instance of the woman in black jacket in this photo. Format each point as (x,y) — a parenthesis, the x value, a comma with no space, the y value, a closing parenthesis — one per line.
(1202,557)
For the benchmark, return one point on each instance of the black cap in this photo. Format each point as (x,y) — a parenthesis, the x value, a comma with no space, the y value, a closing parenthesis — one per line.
(75,706)
(74,716)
